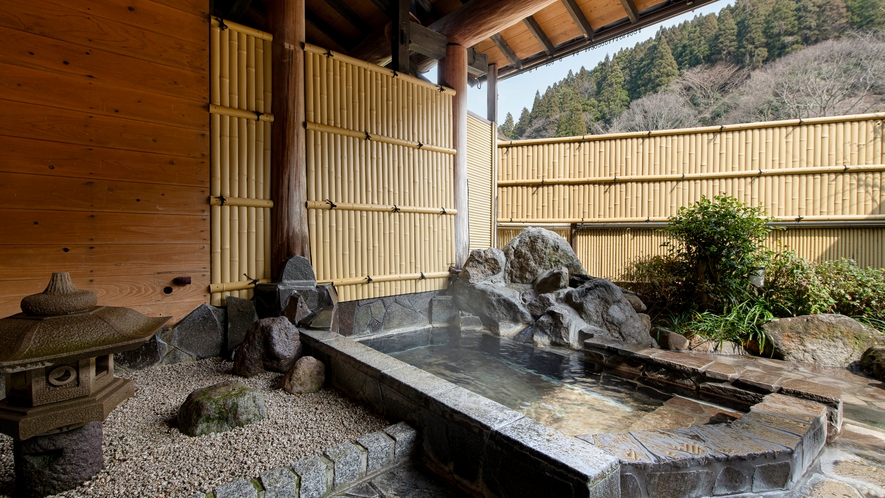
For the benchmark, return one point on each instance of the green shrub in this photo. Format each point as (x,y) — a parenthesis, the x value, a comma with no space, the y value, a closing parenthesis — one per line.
(794,287)
(660,281)
(739,323)
(856,291)
(720,240)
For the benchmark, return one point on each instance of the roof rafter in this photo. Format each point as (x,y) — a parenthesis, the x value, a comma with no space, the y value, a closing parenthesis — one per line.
(539,34)
(352,17)
(508,52)
(580,19)
(630,8)
(327,29)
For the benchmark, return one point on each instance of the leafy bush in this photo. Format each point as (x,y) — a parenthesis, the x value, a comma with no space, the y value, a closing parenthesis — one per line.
(660,280)
(856,291)
(794,287)
(739,323)
(720,240)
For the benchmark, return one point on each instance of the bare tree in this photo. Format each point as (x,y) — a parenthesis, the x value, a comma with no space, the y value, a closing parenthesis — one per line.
(658,111)
(707,88)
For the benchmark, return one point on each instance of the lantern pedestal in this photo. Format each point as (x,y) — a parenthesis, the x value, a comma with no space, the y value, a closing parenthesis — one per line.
(57,462)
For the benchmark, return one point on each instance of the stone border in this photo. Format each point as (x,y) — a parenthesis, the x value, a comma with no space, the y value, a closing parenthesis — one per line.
(491,450)
(335,470)
(709,376)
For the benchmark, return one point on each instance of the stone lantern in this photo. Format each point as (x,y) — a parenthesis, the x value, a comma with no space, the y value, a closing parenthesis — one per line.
(58,360)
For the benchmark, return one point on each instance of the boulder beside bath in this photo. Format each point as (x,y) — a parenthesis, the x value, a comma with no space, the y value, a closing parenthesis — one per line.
(271,344)
(826,340)
(220,408)
(307,376)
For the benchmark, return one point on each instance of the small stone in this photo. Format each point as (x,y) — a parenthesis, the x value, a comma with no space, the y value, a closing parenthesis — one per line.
(379,448)
(272,344)
(668,339)
(307,375)
(220,408)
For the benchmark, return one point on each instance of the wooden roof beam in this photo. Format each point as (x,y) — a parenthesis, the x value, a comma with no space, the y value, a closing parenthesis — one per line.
(508,52)
(630,8)
(352,17)
(580,19)
(539,34)
(480,19)
(327,29)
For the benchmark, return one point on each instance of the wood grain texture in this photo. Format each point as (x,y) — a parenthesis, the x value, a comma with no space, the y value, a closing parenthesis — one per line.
(18,191)
(456,78)
(30,50)
(100,163)
(77,227)
(22,120)
(480,19)
(34,86)
(199,8)
(28,262)
(66,24)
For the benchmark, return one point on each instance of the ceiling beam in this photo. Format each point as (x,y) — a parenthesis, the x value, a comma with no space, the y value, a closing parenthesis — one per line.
(400,37)
(539,34)
(630,8)
(480,19)
(427,42)
(508,52)
(580,19)
(352,17)
(328,30)
(383,6)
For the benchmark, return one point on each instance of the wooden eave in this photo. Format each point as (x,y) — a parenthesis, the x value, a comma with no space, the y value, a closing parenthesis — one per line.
(548,29)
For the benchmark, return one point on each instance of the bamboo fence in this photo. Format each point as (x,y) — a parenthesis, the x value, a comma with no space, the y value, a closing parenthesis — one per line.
(240,121)
(481,166)
(802,171)
(379,177)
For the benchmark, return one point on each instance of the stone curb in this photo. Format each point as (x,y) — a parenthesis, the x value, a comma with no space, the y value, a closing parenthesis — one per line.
(319,475)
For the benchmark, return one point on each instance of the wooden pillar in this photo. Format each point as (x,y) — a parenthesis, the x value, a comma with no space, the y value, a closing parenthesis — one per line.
(455,74)
(399,36)
(289,232)
(492,89)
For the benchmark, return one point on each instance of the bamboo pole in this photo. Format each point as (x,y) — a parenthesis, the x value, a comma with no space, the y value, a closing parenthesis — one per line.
(234,286)
(240,113)
(366,135)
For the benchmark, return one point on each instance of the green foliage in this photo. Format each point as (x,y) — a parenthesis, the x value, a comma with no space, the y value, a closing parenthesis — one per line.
(720,239)
(855,291)
(506,128)
(793,286)
(866,15)
(740,323)
(661,281)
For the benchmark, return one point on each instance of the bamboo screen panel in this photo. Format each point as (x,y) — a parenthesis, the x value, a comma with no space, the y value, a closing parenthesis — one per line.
(609,252)
(240,102)
(480,181)
(817,169)
(379,177)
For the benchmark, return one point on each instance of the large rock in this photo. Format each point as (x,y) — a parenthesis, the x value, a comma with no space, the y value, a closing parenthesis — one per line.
(536,250)
(552,280)
(825,340)
(241,315)
(601,304)
(220,408)
(46,465)
(306,376)
(482,265)
(272,344)
(499,307)
(873,362)
(199,333)
(561,325)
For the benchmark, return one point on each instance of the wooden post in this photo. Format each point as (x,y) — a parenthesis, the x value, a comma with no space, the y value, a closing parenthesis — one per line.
(289,233)
(492,97)
(399,36)
(455,74)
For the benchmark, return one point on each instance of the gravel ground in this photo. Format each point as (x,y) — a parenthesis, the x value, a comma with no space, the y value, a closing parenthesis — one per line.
(145,455)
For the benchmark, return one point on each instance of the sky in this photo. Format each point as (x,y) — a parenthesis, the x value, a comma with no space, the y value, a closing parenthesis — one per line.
(519,91)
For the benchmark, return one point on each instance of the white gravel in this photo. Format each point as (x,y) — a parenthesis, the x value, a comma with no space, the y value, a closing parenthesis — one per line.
(145,456)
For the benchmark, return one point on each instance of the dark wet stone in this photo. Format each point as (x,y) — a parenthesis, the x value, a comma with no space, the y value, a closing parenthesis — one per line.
(442,311)
(298,270)
(272,344)
(46,465)
(147,355)
(297,311)
(872,362)
(772,476)
(630,486)
(399,317)
(176,355)
(241,315)
(551,280)
(731,480)
(199,333)
(684,484)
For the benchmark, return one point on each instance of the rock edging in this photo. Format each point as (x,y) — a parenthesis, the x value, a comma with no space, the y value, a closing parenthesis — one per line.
(336,469)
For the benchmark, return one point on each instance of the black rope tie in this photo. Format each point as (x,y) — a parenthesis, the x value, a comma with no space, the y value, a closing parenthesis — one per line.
(683,177)
(368,137)
(222,199)
(396,209)
(420,145)
(395,74)
(368,279)
(422,276)
(845,170)
(444,211)
(329,53)
(221,25)
(331,204)
(258,115)
(798,219)
(441,89)
(252,281)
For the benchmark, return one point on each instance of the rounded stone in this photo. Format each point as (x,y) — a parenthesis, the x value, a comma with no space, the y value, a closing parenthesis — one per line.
(47,465)
(220,408)
(306,376)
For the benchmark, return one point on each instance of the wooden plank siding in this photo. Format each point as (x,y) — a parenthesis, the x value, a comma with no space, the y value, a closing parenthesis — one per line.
(104,135)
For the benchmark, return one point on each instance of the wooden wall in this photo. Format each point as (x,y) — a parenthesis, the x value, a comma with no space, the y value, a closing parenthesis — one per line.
(104,150)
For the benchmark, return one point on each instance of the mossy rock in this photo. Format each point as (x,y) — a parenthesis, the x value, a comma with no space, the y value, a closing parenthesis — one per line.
(220,408)
(873,362)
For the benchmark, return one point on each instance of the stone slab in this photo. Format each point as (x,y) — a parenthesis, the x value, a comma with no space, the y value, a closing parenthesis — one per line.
(622,445)
(348,463)
(721,371)
(279,483)
(681,361)
(811,391)
(404,438)
(759,380)
(675,450)
(315,474)
(237,489)
(379,450)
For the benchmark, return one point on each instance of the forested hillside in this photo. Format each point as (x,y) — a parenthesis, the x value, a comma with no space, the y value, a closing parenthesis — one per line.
(756,60)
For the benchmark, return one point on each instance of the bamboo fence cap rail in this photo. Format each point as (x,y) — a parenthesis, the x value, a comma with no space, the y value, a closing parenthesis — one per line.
(223,24)
(328,205)
(811,170)
(365,135)
(378,69)
(220,200)
(368,279)
(688,131)
(657,220)
(235,286)
(241,113)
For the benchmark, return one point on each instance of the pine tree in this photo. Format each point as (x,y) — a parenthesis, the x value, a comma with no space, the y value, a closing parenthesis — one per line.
(571,121)
(726,38)
(522,125)
(657,69)
(750,19)
(832,18)
(506,128)
(781,29)
(866,15)
(613,98)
